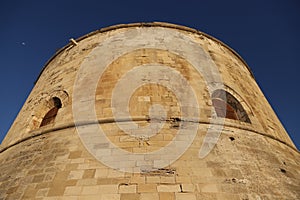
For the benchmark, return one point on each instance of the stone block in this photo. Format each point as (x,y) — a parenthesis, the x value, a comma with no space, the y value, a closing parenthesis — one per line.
(76,174)
(89,197)
(38,178)
(152,179)
(208,188)
(75,154)
(127,188)
(146,188)
(108,189)
(89,173)
(167,179)
(138,179)
(149,196)
(110,196)
(101,173)
(188,187)
(185,196)
(169,188)
(166,195)
(72,191)
(130,196)
(90,190)
(89,181)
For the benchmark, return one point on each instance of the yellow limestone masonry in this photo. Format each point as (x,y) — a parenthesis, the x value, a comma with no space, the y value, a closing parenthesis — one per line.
(147,111)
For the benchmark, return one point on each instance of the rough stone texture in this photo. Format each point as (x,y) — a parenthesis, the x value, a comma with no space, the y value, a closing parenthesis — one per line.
(254,160)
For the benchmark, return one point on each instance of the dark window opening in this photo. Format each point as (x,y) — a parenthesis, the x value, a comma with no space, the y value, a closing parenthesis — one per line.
(51,114)
(227,106)
(57,102)
(223,109)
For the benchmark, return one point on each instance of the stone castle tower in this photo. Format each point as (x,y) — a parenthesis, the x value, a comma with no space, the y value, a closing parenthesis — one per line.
(147,111)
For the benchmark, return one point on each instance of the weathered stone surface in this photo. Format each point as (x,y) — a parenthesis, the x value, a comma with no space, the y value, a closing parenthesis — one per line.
(254,160)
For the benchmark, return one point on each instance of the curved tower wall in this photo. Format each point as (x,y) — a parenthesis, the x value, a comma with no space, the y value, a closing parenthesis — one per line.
(53,149)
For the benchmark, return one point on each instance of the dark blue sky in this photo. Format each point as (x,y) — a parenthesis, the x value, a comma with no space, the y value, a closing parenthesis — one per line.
(265,33)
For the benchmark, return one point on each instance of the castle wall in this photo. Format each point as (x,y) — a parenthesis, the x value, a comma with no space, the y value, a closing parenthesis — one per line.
(57,165)
(250,160)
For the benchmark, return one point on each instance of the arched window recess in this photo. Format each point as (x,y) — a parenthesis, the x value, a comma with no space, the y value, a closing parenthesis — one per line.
(227,106)
(51,114)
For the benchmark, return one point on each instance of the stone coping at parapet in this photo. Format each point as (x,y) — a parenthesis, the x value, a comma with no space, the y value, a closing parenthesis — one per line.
(146,24)
(45,130)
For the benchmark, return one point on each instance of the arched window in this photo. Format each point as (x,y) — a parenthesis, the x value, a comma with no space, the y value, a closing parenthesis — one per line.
(227,106)
(51,114)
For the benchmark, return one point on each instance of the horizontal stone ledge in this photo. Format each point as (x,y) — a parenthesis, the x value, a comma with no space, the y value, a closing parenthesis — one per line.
(47,129)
